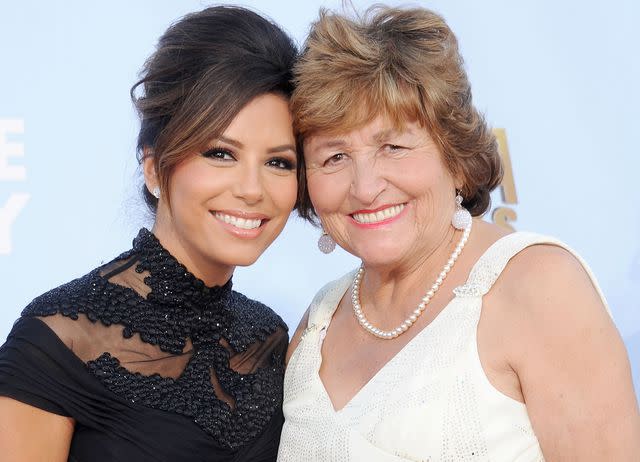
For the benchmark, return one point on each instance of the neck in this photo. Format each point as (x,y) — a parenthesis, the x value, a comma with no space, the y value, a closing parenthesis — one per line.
(212,274)
(392,289)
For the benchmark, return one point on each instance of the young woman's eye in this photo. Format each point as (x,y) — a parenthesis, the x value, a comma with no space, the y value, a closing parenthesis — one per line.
(281,163)
(335,159)
(218,153)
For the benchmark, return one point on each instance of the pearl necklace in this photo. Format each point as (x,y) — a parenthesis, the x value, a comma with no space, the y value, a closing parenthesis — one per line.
(391,334)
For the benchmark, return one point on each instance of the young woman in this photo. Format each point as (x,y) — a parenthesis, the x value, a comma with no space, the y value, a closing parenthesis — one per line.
(153,356)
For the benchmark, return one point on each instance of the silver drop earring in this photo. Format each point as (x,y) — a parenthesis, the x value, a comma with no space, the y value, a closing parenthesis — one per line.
(156,192)
(326,244)
(461,217)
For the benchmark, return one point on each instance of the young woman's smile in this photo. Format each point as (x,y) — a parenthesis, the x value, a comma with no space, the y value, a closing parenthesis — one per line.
(229,202)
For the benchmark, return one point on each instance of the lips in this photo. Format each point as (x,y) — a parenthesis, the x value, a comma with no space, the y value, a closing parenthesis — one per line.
(242,223)
(377,216)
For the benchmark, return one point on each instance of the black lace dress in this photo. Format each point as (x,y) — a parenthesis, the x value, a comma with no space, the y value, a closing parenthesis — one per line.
(151,363)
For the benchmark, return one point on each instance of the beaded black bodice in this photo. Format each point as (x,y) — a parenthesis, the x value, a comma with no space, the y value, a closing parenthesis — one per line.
(154,334)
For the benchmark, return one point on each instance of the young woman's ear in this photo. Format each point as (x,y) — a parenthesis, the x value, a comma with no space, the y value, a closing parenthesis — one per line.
(151,179)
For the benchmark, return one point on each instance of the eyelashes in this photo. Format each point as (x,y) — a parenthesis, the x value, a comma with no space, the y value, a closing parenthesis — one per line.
(218,153)
(334,159)
(394,147)
(226,155)
(281,163)
(338,158)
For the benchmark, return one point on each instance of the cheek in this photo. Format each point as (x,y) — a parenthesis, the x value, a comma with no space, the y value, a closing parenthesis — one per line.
(192,184)
(189,189)
(423,177)
(433,191)
(283,191)
(328,192)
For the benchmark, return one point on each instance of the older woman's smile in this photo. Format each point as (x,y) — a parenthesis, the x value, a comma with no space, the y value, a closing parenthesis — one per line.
(382,215)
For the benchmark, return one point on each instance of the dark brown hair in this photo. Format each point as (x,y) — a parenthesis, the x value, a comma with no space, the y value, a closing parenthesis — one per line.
(403,64)
(206,68)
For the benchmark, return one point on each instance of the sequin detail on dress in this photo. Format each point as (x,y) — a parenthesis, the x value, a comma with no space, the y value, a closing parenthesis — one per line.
(230,349)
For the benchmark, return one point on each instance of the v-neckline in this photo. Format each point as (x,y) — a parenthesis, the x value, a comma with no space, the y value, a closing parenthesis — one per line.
(444,312)
(381,369)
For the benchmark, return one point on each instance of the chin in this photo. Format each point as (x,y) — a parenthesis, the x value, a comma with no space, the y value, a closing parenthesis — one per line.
(245,261)
(379,256)
(238,258)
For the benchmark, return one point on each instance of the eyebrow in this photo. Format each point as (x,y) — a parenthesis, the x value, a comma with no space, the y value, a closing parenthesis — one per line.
(275,149)
(330,144)
(230,141)
(282,148)
(378,137)
(384,135)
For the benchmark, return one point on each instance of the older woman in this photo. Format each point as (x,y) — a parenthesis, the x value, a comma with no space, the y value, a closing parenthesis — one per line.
(453,340)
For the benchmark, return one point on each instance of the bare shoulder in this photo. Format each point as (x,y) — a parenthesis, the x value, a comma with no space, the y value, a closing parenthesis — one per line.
(545,292)
(542,275)
(569,358)
(545,256)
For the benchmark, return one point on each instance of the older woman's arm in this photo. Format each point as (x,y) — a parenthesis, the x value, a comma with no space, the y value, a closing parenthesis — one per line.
(31,434)
(572,365)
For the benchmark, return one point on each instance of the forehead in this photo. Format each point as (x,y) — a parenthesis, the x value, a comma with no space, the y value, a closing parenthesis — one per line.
(379,129)
(268,106)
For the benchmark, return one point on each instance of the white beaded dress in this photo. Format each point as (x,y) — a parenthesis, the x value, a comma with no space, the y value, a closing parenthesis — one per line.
(431,402)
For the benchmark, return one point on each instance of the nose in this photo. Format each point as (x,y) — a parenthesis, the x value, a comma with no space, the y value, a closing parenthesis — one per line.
(368,181)
(248,185)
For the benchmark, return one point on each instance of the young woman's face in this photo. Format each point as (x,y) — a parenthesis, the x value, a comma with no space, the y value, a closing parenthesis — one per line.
(231,201)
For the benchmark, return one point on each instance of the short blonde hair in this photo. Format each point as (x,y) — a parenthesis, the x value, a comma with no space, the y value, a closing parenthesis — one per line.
(403,64)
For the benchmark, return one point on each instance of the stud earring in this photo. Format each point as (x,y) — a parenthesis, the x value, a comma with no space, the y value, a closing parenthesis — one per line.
(326,244)
(461,217)
(156,192)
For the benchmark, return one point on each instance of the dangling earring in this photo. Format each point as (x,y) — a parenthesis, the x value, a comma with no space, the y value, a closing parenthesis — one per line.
(461,218)
(156,192)
(326,244)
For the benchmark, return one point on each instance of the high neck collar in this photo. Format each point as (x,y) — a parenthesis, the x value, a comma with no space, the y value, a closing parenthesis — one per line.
(170,281)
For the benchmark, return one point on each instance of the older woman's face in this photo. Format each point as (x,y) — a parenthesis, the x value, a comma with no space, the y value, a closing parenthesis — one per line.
(384,195)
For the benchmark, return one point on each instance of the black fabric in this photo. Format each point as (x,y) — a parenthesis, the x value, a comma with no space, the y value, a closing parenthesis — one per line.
(151,363)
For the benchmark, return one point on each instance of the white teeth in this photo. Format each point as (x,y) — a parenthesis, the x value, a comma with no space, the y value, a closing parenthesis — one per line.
(380,215)
(242,223)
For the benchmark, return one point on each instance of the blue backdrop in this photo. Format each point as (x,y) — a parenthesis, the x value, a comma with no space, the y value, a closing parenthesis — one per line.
(559,77)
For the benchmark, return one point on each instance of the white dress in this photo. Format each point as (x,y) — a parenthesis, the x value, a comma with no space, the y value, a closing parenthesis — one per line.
(431,402)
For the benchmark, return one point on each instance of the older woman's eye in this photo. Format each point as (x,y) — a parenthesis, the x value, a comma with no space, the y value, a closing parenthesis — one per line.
(219,154)
(281,163)
(394,147)
(335,159)
(394,151)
